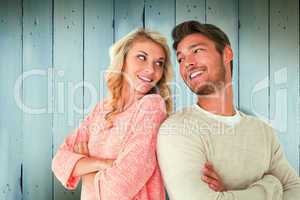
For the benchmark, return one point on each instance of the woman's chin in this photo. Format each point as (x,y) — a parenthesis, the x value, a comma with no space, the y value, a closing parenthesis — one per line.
(142,90)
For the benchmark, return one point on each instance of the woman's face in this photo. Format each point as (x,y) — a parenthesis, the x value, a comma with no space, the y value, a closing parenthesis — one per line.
(144,66)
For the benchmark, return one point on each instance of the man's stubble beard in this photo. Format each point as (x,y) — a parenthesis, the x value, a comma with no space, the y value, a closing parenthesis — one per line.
(211,86)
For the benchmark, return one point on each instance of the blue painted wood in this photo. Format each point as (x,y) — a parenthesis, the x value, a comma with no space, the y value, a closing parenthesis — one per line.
(164,13)
(190,10)
(98,38)
(11,113)
(253,58)
(186,10)
(68,77)
(83,32)
(37,90)
(284,75)
(224,14)
(128,15)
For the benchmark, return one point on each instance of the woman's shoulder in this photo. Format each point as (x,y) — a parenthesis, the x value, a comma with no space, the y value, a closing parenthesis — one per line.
(151,103)
(151,100)
(100,107)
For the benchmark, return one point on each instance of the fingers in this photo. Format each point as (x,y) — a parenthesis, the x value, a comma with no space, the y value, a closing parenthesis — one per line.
(81,148)
(212,179)
(75,148)
(210,172)
(85,148)
(213,184)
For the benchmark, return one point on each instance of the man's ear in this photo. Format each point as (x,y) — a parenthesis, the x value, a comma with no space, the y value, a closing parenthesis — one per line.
(227,55)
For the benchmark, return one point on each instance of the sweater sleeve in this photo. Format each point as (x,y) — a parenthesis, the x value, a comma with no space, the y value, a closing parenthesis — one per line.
(180,159)
(281,168)
(65,158)
(136,162)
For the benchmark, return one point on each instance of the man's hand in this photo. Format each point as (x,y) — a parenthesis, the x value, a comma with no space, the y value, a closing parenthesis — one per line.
(81,148)
(212,178)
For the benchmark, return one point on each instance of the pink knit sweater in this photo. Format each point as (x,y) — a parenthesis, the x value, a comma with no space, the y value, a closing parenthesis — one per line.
(131,142)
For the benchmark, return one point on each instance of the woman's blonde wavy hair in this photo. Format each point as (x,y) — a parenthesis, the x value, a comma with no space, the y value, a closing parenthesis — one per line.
(115,76)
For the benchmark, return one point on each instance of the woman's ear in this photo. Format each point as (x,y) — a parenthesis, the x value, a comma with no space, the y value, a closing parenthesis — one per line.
(227,55)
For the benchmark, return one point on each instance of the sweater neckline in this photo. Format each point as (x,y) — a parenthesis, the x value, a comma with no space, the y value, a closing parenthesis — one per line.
(228,120)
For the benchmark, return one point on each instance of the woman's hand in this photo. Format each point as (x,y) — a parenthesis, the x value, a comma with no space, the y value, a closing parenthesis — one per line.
(89,178)
(81,148)
(211,177)
(88,164)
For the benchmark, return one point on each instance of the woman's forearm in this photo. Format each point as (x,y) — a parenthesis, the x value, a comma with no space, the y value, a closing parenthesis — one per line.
(89,165)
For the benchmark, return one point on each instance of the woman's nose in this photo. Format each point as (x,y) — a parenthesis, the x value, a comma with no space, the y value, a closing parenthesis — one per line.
(150,68)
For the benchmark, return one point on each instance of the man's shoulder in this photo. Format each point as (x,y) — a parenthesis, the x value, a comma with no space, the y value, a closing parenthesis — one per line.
(181,122)
(179,116)
(257,121)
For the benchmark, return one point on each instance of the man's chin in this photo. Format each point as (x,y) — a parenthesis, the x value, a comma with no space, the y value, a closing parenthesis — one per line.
(203,90)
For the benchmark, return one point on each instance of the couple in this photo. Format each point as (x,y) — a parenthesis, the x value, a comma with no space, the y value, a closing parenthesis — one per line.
(208,151)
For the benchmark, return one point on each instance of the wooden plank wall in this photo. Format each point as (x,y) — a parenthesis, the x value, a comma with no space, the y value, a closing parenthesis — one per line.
(54,54)
(11,119)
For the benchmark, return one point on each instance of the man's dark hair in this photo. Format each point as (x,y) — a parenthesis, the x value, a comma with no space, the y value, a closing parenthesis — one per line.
(210,31)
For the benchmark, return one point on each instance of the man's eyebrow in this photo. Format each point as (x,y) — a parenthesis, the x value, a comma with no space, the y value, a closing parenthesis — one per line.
(178,52)
(193,46)
(197,44)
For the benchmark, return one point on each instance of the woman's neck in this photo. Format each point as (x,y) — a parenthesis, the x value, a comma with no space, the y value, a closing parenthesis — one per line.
(129,96)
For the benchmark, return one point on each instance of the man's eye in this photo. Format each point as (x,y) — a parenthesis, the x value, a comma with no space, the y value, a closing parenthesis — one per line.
(141,57)
(179,60)
(198,50)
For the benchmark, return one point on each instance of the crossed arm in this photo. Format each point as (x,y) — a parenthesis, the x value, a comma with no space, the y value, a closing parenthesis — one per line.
(88,165)
(181,170)
(279,168)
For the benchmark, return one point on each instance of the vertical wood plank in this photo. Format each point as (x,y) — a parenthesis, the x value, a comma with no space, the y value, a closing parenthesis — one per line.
(128,15)
(11,113)
(254,55)
(190,10)
(224,14)
(284,75)
(160,17)
(98,37)
(186,10)
(68,77)
(37,134)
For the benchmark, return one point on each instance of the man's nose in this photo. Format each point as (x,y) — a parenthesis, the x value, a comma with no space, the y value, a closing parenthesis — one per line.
(189,61)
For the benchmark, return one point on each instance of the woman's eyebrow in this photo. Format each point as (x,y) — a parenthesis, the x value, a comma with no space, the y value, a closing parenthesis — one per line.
(162,58)
(143,52)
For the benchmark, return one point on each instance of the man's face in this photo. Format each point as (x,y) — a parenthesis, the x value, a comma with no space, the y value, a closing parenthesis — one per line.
(201,65)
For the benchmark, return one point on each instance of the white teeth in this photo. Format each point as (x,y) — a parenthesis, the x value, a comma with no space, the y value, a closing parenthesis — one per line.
(194,74)
(145,78)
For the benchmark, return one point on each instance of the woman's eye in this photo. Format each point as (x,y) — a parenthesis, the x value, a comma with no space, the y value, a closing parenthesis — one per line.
(160,63)
(141,57)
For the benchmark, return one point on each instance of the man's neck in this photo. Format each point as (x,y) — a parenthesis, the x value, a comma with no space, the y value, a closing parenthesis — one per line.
(219,103)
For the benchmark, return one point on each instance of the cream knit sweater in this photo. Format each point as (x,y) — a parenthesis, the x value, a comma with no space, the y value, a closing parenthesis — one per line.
(247,155)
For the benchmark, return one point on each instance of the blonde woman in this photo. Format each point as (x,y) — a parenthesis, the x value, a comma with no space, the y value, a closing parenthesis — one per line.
(113,150)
